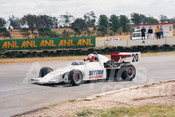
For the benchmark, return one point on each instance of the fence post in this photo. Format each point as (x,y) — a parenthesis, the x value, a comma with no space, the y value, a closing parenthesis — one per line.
(127,43)
(165,41)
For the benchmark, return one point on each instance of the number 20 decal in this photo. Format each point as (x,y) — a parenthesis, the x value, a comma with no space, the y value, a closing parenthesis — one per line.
(135,57)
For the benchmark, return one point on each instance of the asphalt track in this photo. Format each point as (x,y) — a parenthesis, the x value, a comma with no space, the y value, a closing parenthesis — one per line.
(18,96)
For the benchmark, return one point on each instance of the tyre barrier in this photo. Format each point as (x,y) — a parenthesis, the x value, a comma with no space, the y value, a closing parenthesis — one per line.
(173,47)
(75,52)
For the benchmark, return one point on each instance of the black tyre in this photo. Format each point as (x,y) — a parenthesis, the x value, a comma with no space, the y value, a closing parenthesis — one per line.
(128,72)
(44,71)
(76,77)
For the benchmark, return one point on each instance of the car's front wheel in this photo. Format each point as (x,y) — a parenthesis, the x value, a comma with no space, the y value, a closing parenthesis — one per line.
(44,71)
(75,77)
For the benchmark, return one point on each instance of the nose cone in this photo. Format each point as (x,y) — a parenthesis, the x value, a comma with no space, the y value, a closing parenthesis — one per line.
(53,77)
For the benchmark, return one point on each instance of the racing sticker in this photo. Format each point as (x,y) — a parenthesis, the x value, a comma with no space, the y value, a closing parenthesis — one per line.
(95,74)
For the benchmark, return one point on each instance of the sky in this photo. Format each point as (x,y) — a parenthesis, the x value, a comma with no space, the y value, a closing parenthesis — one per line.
(78,8)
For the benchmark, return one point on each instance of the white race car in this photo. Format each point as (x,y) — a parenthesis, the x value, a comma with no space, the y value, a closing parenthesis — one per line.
(95,67)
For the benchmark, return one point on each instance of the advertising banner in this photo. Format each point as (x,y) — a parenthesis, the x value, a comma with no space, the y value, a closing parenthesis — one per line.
(47,43)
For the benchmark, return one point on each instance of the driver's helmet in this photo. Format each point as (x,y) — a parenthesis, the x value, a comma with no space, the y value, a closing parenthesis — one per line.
(91,57)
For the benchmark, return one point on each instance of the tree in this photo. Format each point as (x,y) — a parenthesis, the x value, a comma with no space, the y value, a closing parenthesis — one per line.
(25,32)
(124,23)
(120,30)
(2,22)
(66,33)
(47,32)
(114,23)
(42,21)
(103,30)
(144,19)
(89,32)
(138,19)
(90,19)
(15,22)
(4,32)
(47,21)
(172,20)
(66,19)
(79,25)
(77,30)
(103,21)
(30,21)
(54,22)
(103,24)
(152,20)
(163,18)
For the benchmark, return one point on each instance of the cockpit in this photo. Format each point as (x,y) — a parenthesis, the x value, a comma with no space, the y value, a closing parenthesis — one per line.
(77,63)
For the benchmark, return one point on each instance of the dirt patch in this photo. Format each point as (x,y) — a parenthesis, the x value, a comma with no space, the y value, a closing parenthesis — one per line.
(156,93)
(39,59)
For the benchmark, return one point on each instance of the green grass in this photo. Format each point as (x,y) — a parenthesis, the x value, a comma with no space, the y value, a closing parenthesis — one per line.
(73,100)
(47,107)
(84,113)
(146,111)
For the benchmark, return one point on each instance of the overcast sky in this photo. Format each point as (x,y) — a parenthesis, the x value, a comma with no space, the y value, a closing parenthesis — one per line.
(79,7)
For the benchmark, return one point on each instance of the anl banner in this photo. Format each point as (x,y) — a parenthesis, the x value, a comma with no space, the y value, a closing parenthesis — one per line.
(47,43)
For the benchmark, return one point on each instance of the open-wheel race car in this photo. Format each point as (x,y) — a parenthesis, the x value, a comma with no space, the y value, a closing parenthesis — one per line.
(96,66)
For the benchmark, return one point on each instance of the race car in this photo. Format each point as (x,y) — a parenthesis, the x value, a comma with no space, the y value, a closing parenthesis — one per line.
(96,66)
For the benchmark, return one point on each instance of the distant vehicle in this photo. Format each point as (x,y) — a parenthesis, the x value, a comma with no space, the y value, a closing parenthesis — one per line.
(96,67)
(113,38)
(137,35)
(109,39)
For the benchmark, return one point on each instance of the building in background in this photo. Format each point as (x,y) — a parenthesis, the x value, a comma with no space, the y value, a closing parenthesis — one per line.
(167,28)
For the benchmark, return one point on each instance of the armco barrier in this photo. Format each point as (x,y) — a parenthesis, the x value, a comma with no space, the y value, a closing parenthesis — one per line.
(47,43)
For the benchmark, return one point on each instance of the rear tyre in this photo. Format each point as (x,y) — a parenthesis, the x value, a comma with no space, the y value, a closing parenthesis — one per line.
(128,72)
(44,71)
(76,77)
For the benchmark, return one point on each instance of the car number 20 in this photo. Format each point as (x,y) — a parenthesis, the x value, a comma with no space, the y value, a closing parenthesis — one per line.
(135,57)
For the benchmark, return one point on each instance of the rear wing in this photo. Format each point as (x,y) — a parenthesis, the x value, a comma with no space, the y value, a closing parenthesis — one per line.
(132,57)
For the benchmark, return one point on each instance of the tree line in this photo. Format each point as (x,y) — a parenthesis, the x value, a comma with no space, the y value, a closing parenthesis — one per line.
(102,26)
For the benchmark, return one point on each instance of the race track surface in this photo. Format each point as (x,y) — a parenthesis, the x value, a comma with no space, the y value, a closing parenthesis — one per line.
(18,96)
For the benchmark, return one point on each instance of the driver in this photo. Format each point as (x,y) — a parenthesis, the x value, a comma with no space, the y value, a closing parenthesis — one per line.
(91,57)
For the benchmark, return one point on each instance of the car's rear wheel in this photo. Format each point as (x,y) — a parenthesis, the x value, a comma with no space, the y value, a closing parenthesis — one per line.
(76,77)
(128,72)
(44,71)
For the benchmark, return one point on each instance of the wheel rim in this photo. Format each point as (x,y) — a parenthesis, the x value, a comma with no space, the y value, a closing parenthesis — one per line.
(129,71)
(77,77)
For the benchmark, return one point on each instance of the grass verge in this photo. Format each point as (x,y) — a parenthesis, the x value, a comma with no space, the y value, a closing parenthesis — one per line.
(146,111)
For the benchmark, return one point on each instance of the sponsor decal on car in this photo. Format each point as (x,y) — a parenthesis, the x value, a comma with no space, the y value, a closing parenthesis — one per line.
(96,74)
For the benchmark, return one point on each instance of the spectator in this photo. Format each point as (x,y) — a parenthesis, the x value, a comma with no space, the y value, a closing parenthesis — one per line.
(157,32)
(161,32)
(143,30)
(150,32)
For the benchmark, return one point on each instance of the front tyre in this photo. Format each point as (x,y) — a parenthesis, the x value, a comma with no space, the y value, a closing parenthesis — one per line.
(76,77)
(44,71)
(128,72)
